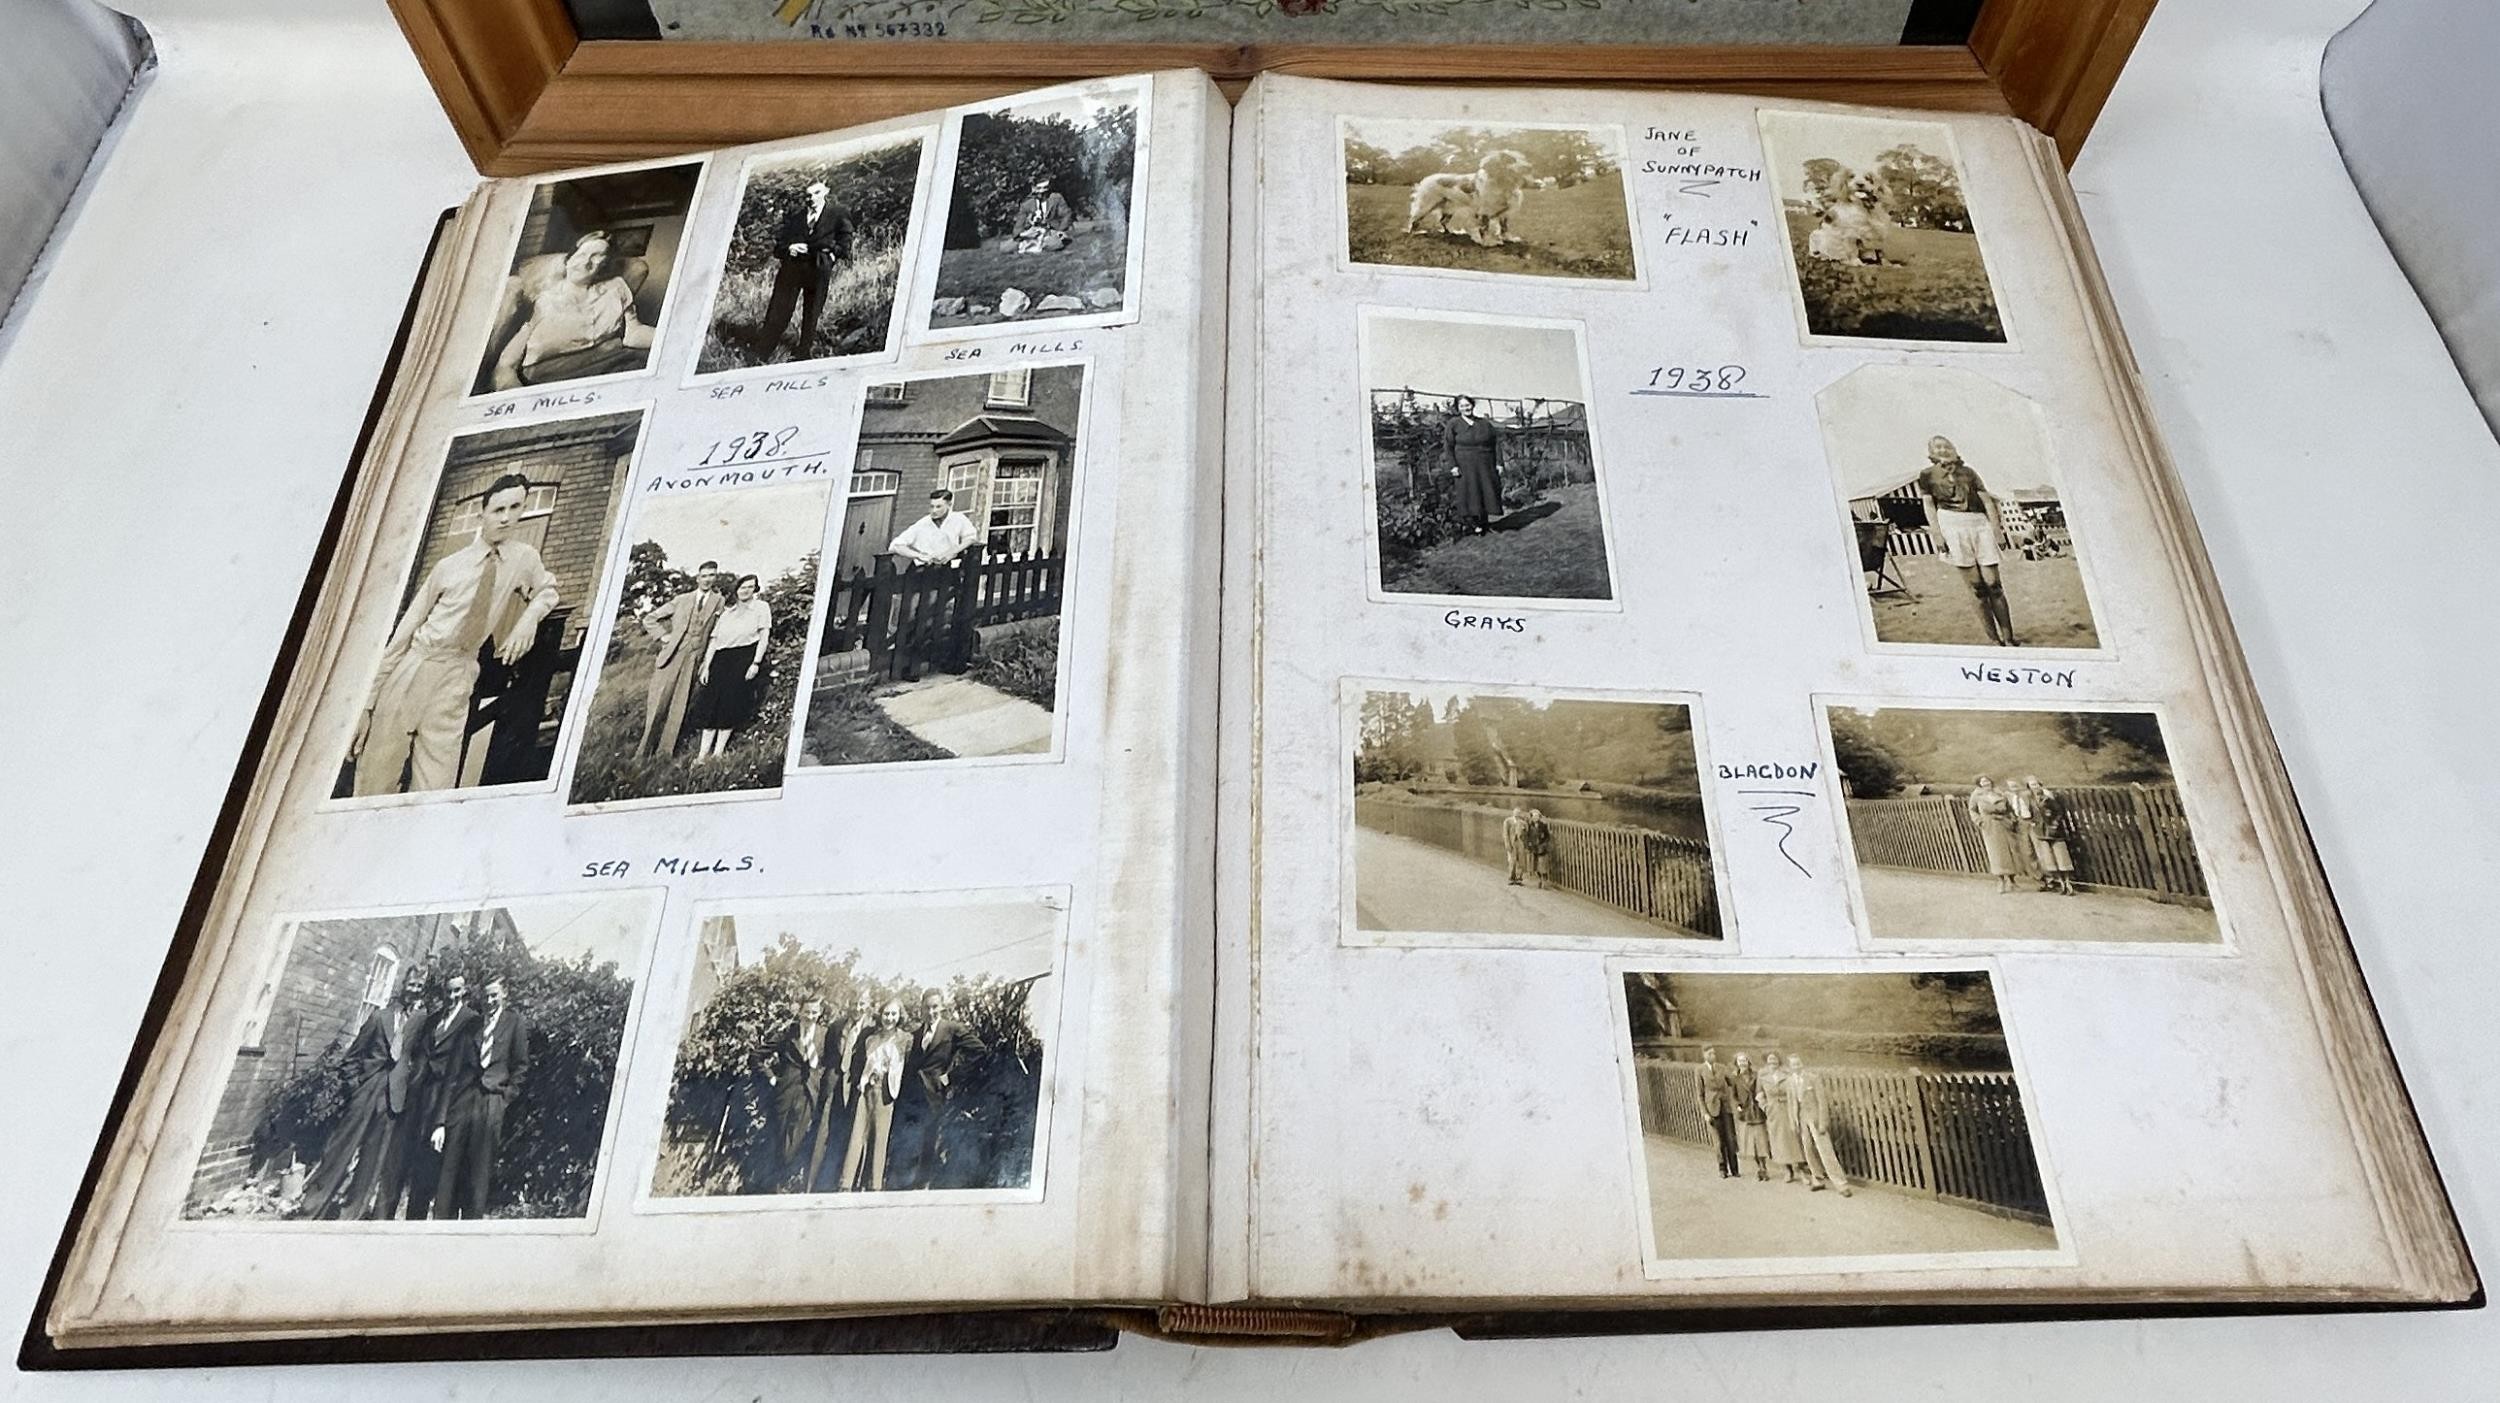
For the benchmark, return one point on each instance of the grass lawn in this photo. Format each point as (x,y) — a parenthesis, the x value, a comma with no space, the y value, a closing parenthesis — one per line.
(1554,549)
(610,770)
(859,303)
(1096,257)
(2045,597)
(1931,286)
(846,727)
(1580,232)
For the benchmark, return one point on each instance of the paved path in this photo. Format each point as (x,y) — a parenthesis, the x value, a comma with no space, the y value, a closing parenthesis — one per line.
(1699,1216)
(1406,884)
(1947,906)
(968,718)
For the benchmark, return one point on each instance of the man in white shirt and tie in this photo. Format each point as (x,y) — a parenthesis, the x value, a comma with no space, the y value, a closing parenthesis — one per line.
(939,537)
(492,590)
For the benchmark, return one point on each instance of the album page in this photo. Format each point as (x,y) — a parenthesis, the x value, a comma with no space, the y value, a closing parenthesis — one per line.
(1727,788)
(734,841)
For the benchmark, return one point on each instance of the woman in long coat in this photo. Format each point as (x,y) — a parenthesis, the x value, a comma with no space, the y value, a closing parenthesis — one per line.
(1992,812)
(1475,448)
(1779,1114)
(1752,1137)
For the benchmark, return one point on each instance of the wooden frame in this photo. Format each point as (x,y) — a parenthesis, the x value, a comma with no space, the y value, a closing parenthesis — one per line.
(526,93)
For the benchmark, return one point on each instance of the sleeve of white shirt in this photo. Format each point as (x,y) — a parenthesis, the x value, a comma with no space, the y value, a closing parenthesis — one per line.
(959,532)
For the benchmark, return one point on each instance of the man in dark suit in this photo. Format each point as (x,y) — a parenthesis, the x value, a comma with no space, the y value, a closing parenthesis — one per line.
(941,1053)
(810,240)
(419,1161)
(363,1150)
(486,1070)
(835,1112)
(1718,1106)
(801,1071)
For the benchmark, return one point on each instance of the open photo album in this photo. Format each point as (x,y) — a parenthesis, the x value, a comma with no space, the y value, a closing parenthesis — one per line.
(1391,706)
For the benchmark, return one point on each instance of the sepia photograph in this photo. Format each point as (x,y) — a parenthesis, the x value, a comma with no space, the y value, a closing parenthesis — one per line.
(1484,479)
(1796,1122)
(865,1045)
(1040,211)
(1531,200)
(590,280)
(1972,823)
(1493,817)
(816,255)
(477,676)
(1955,517)
(1880,233)
(705,650)
(453,1064)
(950,568)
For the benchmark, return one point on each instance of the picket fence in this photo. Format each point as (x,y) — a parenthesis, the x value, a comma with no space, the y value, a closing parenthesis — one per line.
(1658,876)
(2129,837)
(912,618)
(1956,1136)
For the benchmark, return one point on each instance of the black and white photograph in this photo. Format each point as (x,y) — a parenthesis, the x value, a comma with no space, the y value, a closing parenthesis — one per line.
(1975,823)
(1829,1121)
(589,283)
(451,1064)
(865,1046)
(476,679)
(1511,199)
(1956,521)
(706,647)
(941,637)
(1041,213)
(1880,232)
(817,254)
(1484,483)
(1494,817)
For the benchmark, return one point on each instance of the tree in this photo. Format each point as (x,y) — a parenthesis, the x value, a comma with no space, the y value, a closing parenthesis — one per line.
(1866,766)
(1920,191)
(650,581)
(1001,154)
(1386,750)
(1365,163)
(1477,762)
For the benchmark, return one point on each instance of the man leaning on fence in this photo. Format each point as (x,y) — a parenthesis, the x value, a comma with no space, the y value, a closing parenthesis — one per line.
(1718,1106)
(1814,1127)
(939,537)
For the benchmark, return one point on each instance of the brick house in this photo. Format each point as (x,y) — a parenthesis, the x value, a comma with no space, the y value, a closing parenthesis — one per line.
(334,974)
(1004,442)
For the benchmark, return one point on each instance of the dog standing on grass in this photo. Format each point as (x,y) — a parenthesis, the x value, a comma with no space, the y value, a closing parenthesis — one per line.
(1485,199)
(1847,228)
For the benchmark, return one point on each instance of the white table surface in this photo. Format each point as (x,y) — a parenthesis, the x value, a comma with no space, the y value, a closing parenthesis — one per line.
(177,398)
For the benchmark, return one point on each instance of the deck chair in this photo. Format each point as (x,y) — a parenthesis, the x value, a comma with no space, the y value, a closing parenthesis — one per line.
(1875,558)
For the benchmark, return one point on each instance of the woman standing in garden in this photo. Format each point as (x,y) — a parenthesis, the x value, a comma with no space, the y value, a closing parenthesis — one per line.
(1475,448)
(731,686)
(1779,1115)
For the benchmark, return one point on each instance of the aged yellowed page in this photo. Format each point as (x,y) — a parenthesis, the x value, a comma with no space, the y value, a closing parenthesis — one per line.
(1735,788)
(736,840)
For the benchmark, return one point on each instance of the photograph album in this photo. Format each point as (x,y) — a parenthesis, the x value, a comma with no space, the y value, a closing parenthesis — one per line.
(1383,707)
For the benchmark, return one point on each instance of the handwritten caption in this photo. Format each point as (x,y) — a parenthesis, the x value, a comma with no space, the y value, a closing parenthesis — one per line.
(761,455)
(783,385)
(616,868)
(1698,382)
(2019,676)
(1505,623)
(1776,806)
(574,399)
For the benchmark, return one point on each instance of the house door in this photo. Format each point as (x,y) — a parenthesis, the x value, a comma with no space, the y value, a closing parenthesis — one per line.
(867,528)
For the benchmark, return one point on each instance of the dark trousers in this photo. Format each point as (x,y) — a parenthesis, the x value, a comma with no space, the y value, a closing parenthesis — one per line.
(414,1168)
(795,280)
(380,1158)
(468,1172)
(1723,1134)
(920,1171)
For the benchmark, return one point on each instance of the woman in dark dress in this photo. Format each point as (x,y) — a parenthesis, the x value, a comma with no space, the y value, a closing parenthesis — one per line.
(731,685)
(1475,449)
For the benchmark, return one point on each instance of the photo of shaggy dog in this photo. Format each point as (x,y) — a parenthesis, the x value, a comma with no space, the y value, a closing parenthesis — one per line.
(1434,197)
(1879,231)
(1484,200)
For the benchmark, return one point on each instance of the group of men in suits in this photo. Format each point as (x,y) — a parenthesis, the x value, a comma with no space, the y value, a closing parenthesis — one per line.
(429,1089)
(833,1088)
